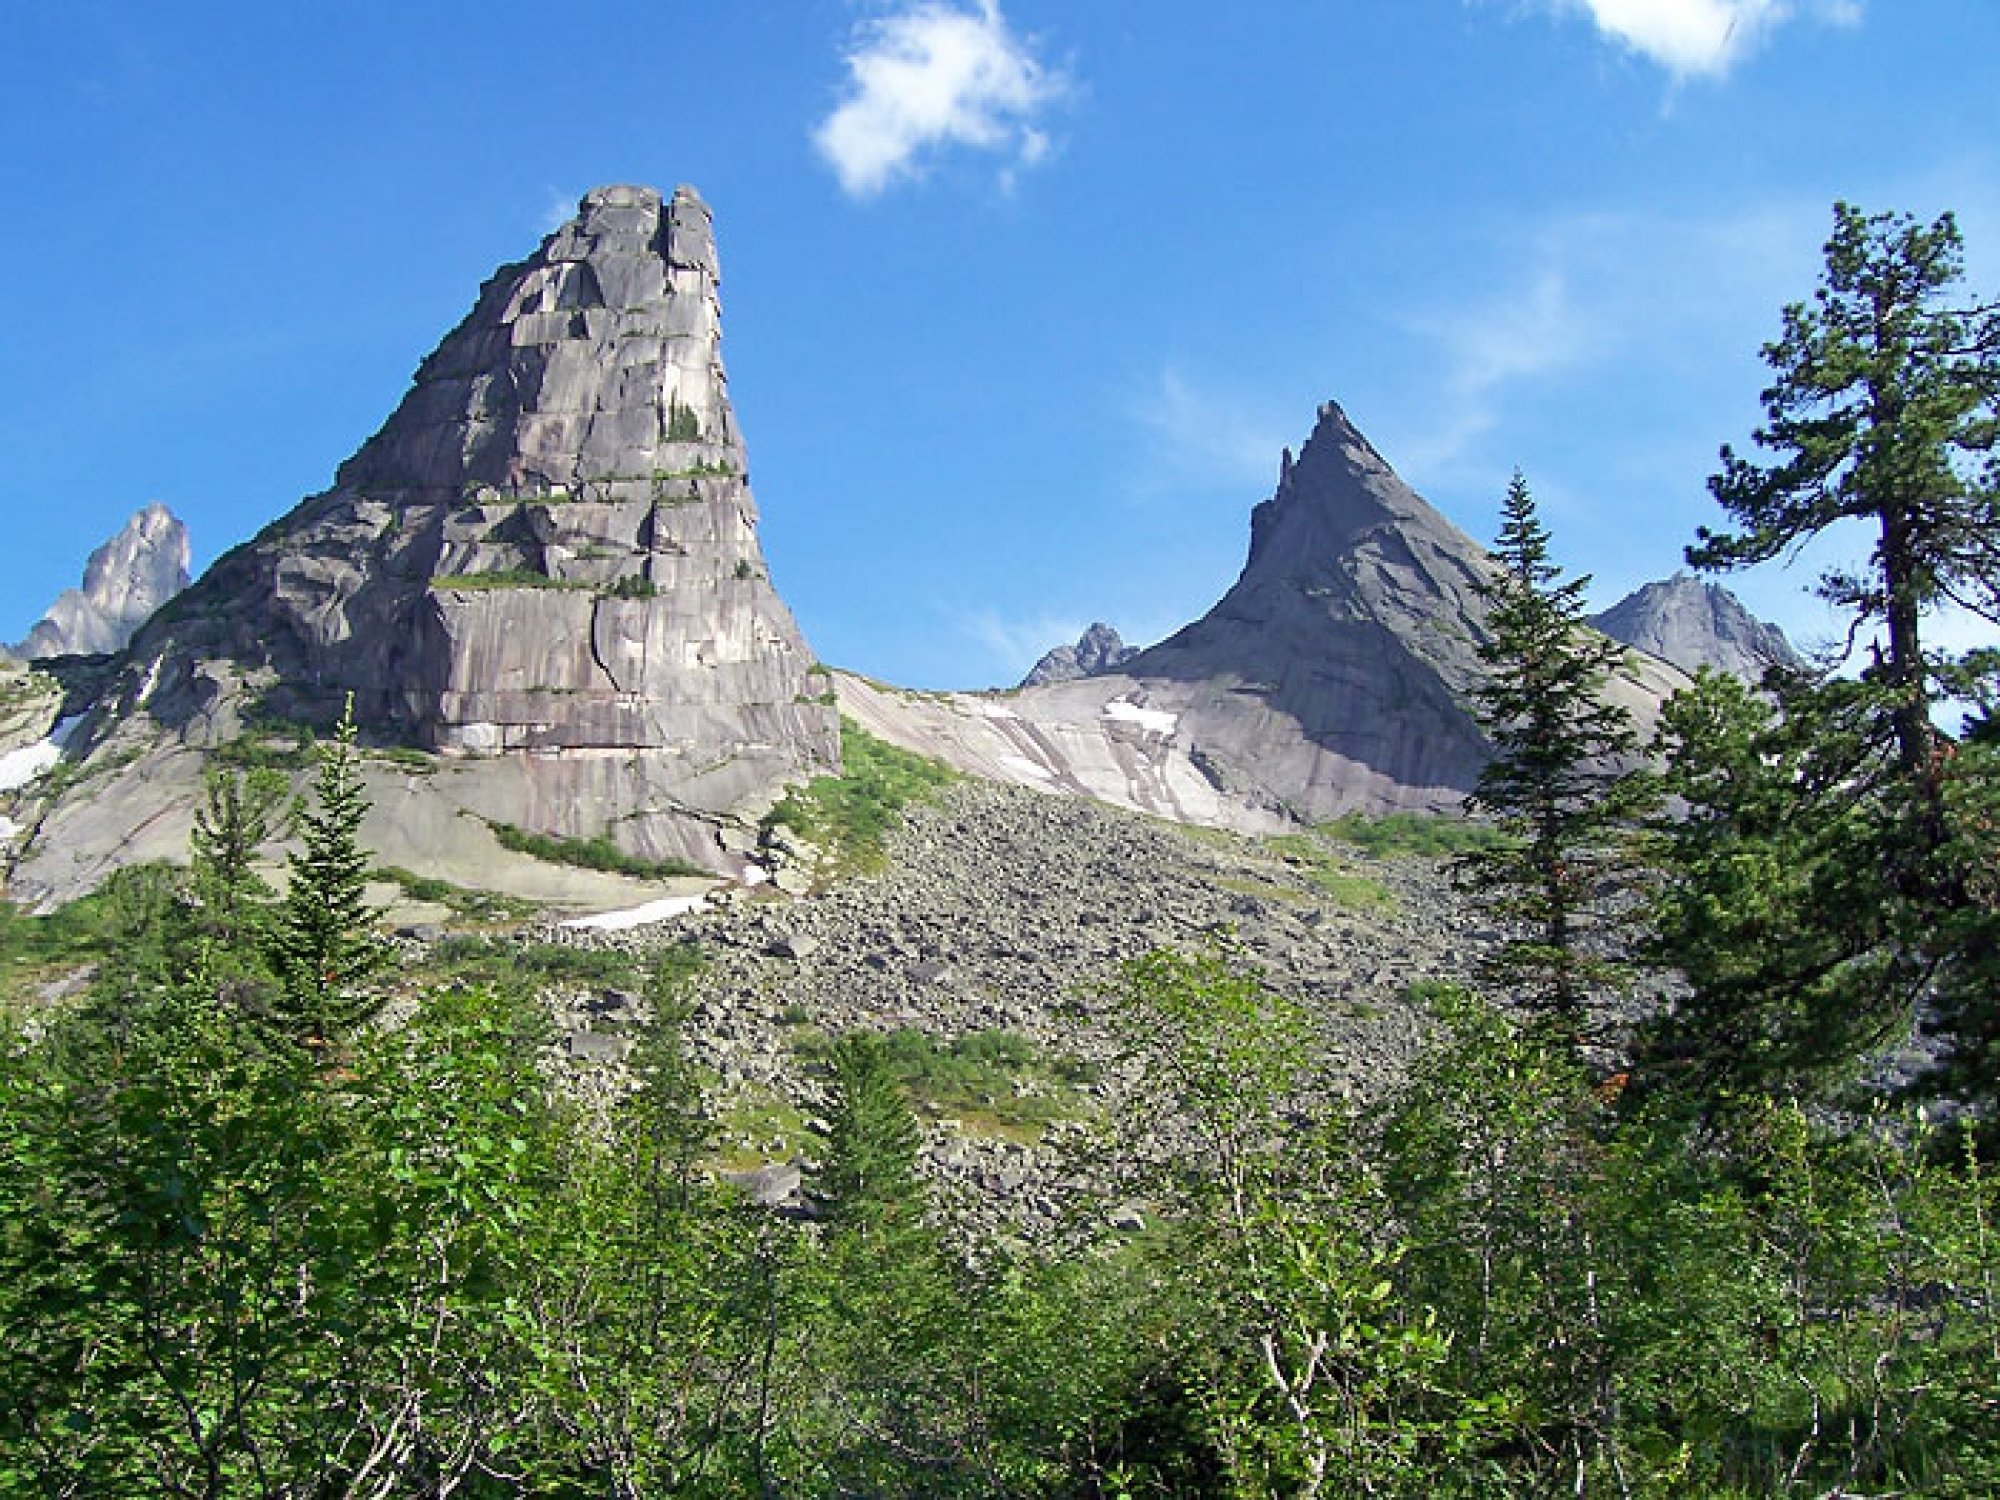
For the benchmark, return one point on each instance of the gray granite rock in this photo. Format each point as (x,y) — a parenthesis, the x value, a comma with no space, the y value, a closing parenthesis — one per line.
(1693,624)
(124,582)
(544,568)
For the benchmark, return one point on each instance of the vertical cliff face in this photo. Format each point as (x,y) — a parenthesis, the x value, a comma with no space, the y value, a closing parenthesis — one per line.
(545,562)
(551,544)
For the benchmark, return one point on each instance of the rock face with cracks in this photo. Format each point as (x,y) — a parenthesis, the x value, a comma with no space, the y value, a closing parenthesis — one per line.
(544,568)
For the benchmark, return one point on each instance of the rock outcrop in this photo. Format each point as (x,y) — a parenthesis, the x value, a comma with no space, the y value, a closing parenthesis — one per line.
(544,568)
(125,581)
(1695,624)
(1098,649)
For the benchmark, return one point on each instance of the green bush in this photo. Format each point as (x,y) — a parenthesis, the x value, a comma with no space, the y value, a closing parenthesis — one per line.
(1426,835)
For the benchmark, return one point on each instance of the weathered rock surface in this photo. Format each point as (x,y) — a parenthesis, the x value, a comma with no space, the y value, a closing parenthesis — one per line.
(1693,624)
(1098,649)
(1334,675)
(125,581)
(544,568)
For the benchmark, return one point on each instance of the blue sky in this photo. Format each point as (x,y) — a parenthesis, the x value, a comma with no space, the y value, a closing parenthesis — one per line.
(1021,297)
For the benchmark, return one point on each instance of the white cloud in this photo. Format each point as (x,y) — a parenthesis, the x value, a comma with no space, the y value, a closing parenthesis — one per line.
(934,75)
(1692,38)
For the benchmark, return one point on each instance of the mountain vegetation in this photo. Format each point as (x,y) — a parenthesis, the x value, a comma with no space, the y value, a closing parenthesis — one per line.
(279,1217)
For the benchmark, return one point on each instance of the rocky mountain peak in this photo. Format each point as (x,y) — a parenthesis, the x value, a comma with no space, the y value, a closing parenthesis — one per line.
(1098,649)
(124,582)
(587,370)
(544,567)
(1693,624)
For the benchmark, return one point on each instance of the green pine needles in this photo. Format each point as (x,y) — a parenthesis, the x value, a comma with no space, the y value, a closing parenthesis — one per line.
(323,946)
(1558,786)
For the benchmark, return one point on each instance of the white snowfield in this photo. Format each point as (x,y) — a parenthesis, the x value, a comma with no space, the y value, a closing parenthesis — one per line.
(663,910)
(1158,720)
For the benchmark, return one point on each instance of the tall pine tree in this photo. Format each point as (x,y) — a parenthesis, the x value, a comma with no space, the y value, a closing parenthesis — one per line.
(323,944)
(1558,785)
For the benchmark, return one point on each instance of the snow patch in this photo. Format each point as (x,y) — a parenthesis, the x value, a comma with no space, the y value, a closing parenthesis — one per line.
(755,874)
(986,708)
(19,767)
(9,829)
(152,681)
(1020,765)
(1158,720)
(665,909)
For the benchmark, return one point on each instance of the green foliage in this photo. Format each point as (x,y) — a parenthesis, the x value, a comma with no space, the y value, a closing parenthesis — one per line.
(632,586)
(1421,835)
(683,426)
(1884,408)
(597,852)
(989,1081)
(465,902)
(850,815)
(1329,873)
(1555,787)
(869,1179)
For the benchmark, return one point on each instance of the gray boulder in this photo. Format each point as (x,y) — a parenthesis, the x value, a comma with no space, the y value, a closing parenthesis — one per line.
(1695,624)
(125,581)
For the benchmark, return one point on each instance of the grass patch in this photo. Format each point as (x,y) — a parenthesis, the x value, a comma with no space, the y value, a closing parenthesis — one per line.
(594,853)
(1426,835)
(851,815)
(991,1082)
(774,1128)
(478,906)
(1327,872)
(472,959)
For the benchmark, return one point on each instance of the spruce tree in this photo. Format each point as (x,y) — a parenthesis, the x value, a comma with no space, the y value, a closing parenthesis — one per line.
(238,816)
(1558,785)
(323,945)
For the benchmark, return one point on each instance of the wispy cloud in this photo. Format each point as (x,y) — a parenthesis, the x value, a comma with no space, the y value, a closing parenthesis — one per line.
(934,75)
(1702,38)
(1584,293)
(1208,432)
(1014,643)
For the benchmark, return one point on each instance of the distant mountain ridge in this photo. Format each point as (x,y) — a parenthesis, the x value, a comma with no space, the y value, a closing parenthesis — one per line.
(125,582)
(1098,649)
(1693,624)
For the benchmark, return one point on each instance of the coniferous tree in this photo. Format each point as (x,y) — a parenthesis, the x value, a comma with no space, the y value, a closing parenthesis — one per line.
(238,816)
(323,945)
(1557,785)
(1886,410)
(870,1178)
